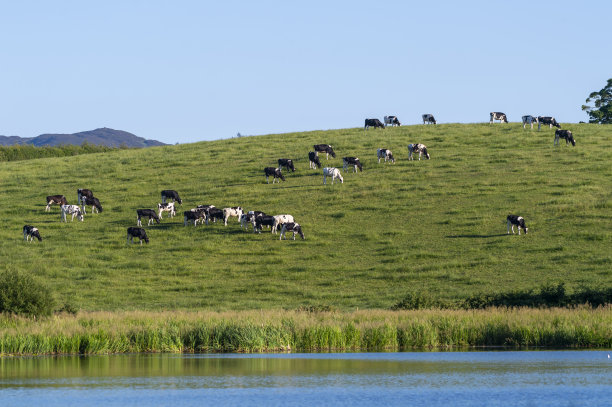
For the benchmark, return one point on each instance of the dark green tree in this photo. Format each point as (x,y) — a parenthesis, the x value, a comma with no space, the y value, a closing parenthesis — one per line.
(601,112)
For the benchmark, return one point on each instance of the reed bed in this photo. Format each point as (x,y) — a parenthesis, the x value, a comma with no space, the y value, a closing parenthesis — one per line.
(273,331)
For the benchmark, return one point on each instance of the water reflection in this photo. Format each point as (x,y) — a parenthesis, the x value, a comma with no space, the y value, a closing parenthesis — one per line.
(433,378)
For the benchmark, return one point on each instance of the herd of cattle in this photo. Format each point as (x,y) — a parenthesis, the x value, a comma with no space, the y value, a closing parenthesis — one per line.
(286,223)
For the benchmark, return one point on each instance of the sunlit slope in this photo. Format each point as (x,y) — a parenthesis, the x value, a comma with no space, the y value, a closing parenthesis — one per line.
(433,225)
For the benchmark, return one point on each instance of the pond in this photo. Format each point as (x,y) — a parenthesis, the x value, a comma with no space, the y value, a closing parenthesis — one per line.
(517,378)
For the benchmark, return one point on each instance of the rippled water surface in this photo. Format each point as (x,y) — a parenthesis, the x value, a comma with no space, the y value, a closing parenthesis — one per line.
(546,378)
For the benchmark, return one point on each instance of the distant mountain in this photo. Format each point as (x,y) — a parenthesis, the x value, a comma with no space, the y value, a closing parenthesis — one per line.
(103,136)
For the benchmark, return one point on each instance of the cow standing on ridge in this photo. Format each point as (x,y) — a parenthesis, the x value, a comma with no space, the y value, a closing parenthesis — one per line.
(498,116)
(544,120)
(373,123)
(392,121)
(428,118)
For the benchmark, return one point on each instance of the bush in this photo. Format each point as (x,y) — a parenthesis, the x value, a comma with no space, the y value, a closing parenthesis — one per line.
(21,294)
(417,301)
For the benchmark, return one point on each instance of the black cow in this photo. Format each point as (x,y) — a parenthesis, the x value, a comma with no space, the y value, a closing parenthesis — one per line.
(273,172)
(287,163)
(547,120)
(170,194)
(498,116)
(262,220)
(214,214)
(55,200)
(195,216)
(564,134)
(518,221)
(373,123)
(313,158)
(291,227)
(249,217)
(81,193)
(428,118)
(30,232)
(93,201)
(146,213)
(354,161)
(140,233)
(324,148)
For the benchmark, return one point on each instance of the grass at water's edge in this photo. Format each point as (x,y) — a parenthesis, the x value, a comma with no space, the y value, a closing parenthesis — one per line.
(266,331)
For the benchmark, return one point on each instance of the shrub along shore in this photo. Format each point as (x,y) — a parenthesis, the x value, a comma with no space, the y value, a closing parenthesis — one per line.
(303,331)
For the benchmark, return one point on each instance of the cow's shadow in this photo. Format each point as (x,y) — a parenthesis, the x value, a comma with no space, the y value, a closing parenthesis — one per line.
(475,236)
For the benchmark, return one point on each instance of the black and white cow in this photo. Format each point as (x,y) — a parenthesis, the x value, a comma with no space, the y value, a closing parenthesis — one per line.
(391,120)
(564,134)
(249,217)
(352,161)
(373,123)
(214,214)
(73,210)
(170,194)
(385,154)
(498,116)
(417,148)
(94,202)
(314,160)
(275,173)
(528,119)
(263,220)
(544,120)
(146,213)
(30,232)
(332,172)
(518,221)
(428,118)
(194,216)
(55,200)
(280,220)
(325,148)
(166,207)
(291,227)
(233,211)
(140,233)
(287,163)
(81,193)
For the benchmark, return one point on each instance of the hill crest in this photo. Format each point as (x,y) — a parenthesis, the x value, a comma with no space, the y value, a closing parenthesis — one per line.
(102,136)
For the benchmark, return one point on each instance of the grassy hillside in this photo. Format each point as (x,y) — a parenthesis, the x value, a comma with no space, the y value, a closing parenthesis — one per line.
(436,226)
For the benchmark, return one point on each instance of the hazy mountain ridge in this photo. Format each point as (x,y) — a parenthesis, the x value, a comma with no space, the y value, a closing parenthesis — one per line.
(103,136)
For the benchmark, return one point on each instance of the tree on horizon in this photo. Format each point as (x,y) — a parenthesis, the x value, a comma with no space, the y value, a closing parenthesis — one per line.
(601,112)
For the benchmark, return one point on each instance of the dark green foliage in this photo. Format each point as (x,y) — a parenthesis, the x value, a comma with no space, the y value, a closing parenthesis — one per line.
(28,152)
(21,294)
(601,112)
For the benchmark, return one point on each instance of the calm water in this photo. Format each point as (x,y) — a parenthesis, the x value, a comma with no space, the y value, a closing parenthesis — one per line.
(546,378)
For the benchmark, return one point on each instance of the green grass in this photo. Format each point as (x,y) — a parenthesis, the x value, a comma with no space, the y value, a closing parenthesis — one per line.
(436,226)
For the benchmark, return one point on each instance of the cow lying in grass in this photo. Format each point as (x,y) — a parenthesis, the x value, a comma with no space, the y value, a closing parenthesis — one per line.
(30,232)
(55,200)
(146,213)
(291,227)
(73,210)
(518,221)
(140,233)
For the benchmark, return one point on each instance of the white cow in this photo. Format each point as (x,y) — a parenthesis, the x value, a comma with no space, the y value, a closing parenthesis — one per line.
(420,148)
(73,210)
(233,211)
(385,154)
(332,172)
(280,220)
(166,207)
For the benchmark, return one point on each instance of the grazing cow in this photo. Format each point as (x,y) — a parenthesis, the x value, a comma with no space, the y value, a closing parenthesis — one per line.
(166,207)
(146,213)
(30,232)
(279,220)
(314,160)
(287,163)
(564,134)
(528,119)
(262,220)
(55,200)
(353,161)
(273,172)
(325,148)
(387,155)
(518,221)
(170,194)
(392,120)
(233,211)
(214,214)
(291,227)
(420,148)
(498,116)
(428,118)
(195,216)
(249,217)
(548,120)
(83,193)
(373,123)
(73,210)
(94,202)
(332,172)
(140,233)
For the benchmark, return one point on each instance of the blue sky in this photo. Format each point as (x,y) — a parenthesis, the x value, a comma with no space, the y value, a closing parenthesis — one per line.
(187,71)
